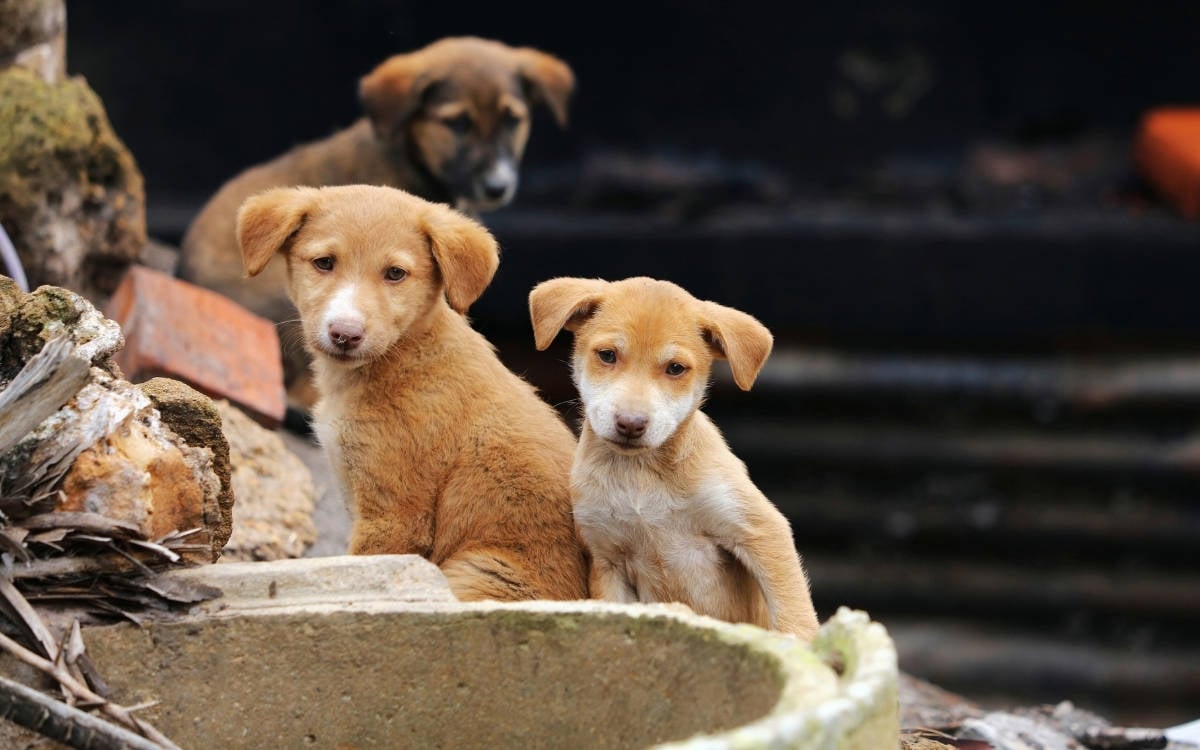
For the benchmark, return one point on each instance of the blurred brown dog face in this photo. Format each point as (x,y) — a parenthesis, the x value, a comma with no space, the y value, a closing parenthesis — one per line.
(460,108)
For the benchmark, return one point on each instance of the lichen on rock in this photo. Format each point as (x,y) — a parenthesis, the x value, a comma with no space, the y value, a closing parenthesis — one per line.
(28,321)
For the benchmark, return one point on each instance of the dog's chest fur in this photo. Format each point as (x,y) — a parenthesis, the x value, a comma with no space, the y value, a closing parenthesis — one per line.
(663,540)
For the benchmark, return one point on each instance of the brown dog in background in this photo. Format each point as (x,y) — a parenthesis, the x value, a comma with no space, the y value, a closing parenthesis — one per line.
(666,509)
(440,450)
(448,123)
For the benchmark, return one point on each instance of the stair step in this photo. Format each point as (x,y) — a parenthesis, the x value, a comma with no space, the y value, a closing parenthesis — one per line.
(1084,383)
(1002,588)
(967,512)
(879,445)
(1007,667)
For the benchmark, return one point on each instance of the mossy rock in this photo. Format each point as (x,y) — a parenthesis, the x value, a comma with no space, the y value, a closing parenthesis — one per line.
(194,417)
(71,195)
(29,321)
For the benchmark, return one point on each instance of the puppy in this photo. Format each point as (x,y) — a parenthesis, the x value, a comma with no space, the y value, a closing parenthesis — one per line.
(448,123)
(666,510)
(440,450)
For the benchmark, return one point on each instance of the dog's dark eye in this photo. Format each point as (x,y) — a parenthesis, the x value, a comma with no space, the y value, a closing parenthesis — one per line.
(509,119)
(395,273)
(458,123)
(607,356)
(324,263)
(675,369)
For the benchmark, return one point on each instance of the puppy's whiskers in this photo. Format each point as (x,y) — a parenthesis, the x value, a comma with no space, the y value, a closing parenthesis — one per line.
(291,339)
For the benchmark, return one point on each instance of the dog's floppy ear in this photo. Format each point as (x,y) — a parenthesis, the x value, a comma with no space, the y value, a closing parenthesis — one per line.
(265,222)
(737,337)
(392,92)
(547,79)
(562,303)
(465,252)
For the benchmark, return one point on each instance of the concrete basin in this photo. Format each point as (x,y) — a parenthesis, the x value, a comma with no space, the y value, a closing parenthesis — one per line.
(373,652)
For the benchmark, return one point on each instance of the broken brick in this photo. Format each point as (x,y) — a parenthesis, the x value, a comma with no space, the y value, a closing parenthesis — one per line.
(178,330)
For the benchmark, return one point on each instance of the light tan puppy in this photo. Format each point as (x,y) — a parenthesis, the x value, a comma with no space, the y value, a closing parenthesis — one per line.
(440,450)
(666,509)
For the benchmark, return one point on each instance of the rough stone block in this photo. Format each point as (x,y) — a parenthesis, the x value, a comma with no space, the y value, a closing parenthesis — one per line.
(179,330)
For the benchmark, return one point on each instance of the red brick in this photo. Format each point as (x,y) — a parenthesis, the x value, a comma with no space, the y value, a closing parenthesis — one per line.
(178,330)
(1168,153)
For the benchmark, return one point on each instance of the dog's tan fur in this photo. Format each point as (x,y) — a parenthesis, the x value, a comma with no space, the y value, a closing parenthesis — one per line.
(669,514)
(440,450)
(437,119)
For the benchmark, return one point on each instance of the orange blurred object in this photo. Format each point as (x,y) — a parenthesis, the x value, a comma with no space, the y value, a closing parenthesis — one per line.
(1168,154)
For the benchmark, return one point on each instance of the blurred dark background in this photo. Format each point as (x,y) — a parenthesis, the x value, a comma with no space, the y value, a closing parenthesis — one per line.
(980,416)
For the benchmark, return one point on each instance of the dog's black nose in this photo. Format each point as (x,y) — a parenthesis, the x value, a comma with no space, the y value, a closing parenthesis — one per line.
(346,334)
(494,189)
(631,425)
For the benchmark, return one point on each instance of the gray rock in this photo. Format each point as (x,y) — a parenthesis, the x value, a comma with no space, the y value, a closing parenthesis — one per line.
(273,516)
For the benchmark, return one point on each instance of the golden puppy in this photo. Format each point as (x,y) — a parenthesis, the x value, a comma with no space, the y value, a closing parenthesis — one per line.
(448,123)
(667,511)
(439,449)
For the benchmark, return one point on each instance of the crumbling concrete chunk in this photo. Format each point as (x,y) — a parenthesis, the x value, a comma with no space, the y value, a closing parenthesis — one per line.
(108,449)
